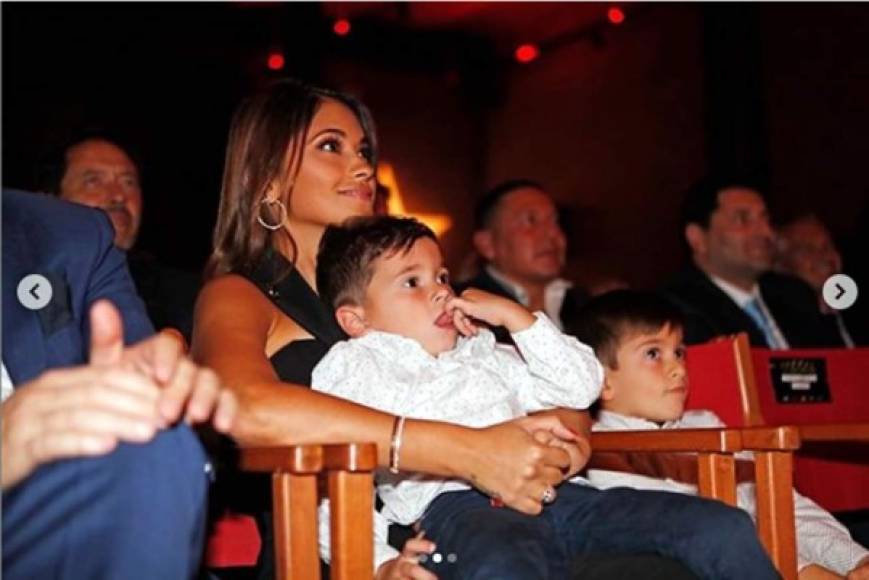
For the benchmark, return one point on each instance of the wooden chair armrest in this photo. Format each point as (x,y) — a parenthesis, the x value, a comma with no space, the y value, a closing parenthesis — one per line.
(297,459)
(834,432)
(716,470)
(353,457)
(783,438)
(714,440)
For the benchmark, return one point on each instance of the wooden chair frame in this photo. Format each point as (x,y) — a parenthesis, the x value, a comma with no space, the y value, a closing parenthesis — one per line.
(349,469)
(775,509)
(773,448)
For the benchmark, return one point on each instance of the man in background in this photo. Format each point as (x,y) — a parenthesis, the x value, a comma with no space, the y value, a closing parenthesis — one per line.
(95,170)
(518,236)
(729,286)
(805,249)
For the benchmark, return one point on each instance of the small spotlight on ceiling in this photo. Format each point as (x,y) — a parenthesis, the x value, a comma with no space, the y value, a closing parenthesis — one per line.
(275,61)
(341,27)
(615,15)
(527,52)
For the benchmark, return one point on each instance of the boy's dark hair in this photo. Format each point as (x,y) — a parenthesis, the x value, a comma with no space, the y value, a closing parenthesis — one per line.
(607,320)
(486,206)
(347,253)
(701,200)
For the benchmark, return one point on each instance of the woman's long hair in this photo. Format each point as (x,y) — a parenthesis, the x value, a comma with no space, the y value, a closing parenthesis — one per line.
(266,141)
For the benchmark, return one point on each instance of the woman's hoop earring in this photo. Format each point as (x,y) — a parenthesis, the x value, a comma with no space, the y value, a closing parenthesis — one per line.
(283,214)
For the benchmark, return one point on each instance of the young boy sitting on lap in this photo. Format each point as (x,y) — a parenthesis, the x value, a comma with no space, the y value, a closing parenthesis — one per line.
(386,279)
(638,338)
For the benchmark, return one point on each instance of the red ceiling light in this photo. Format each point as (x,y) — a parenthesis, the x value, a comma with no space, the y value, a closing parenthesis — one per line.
(527,52)
(275,61)
(341,27)
(615,15)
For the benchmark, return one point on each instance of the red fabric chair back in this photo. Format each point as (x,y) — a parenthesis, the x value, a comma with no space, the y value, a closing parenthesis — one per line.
(713,381)
(848,377)
(835,476)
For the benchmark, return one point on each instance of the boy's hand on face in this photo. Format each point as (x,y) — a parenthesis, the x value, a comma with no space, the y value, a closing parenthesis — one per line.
(489,308)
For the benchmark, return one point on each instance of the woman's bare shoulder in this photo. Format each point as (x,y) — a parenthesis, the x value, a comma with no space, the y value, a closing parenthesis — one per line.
(233,300)
(233,287)
(234,297)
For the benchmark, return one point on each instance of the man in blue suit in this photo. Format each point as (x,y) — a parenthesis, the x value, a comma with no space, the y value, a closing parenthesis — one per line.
(97,482)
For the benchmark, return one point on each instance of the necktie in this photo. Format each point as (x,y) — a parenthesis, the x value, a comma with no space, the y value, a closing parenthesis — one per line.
(753,309)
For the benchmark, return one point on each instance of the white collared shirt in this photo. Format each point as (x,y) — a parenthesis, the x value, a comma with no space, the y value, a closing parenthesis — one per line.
(821,539)
(742,298)
(553,294)
(478,383)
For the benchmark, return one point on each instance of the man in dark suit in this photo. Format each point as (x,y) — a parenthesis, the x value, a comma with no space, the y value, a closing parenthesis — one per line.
(518,235)
(729,288)
(97,483)
(96,170)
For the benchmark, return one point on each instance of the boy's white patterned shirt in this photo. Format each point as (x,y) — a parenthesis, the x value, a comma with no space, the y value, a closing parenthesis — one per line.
(476,384)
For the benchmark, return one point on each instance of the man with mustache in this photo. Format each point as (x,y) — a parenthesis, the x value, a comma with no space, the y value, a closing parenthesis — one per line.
(99,173)
(518,236)
(96,171)
(729,287)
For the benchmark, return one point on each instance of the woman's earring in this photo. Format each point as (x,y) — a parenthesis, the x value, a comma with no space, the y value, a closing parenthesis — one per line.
(283,214)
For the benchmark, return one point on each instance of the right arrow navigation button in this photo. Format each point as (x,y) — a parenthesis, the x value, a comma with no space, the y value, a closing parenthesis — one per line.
(840,291)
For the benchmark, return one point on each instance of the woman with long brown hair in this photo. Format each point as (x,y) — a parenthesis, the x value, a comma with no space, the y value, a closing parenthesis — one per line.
(298,159)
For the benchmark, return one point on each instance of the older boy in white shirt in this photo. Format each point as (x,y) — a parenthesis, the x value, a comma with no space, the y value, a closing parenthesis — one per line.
(638,338)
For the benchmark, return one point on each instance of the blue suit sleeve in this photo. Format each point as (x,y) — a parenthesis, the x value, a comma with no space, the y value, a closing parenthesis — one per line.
(110,278)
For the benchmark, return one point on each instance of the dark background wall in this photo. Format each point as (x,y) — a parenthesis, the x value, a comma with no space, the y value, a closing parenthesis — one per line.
(615,129)
(617,121)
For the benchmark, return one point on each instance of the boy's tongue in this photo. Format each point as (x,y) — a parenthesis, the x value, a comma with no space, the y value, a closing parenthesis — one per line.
(444,320)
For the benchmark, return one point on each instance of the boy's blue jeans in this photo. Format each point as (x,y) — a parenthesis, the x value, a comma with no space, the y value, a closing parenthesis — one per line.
(477,541)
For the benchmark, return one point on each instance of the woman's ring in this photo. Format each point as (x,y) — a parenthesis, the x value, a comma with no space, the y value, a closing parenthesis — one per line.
(548,495)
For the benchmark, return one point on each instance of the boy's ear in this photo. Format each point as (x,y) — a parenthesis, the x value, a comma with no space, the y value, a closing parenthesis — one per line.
(608,391)
(483,244)
(351,319)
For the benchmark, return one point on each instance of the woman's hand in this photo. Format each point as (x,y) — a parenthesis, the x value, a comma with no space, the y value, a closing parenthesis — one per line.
(578,422)
(406,566)
(511,465)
